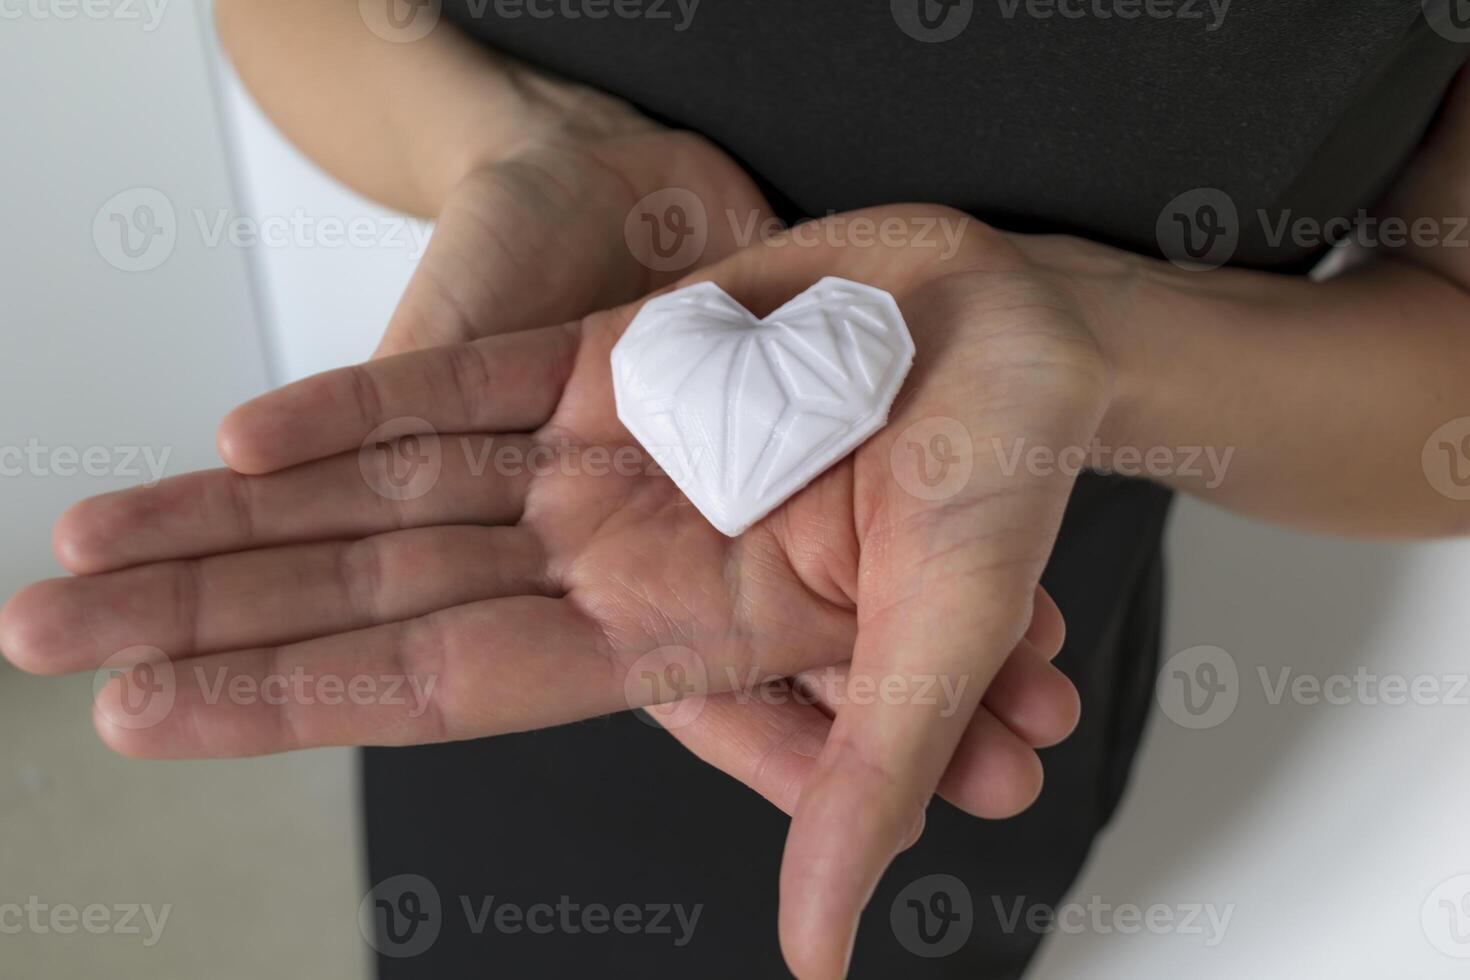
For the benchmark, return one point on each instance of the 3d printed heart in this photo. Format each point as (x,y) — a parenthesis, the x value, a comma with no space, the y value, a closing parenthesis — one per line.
(742,413)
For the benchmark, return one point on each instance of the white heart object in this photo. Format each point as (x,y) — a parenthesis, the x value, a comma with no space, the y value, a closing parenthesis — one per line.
(743,412)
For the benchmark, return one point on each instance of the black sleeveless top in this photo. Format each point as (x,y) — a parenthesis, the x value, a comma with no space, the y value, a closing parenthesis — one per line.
(1091,125)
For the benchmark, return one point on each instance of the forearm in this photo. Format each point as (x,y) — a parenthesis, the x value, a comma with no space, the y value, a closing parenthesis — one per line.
(399,122)
(1315,400)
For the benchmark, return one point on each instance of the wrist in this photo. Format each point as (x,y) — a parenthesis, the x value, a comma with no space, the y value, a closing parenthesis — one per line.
(1115,292)
(516,113)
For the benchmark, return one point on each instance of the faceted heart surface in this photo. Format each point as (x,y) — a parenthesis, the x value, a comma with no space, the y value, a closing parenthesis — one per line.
(743,412)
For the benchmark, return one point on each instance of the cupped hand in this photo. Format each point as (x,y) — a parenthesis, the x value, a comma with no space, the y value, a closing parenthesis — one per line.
(520,595)
(582,218)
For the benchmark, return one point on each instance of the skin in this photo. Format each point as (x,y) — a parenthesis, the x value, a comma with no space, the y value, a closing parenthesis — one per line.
(588,577)
(1054,340)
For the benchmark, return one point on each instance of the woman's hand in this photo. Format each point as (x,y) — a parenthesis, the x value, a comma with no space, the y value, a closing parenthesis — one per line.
(544,237)
(519,599)
(566,224)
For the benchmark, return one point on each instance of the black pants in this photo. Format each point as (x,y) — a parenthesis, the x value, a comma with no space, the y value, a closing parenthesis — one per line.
(605,849)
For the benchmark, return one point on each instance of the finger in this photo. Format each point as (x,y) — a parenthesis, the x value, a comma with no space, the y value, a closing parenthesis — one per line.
(1029,696)
(770,740)
(486,668)
(1034,699)
(266,597)
(517,247)
(993,773)
(453,480)
(769,745)
(882,764)
(505,383)
(1048,629)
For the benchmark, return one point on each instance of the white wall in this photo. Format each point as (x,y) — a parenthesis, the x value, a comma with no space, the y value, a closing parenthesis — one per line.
(246,864)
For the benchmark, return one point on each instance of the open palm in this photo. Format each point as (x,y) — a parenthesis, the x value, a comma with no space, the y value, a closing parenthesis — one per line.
(516,584)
